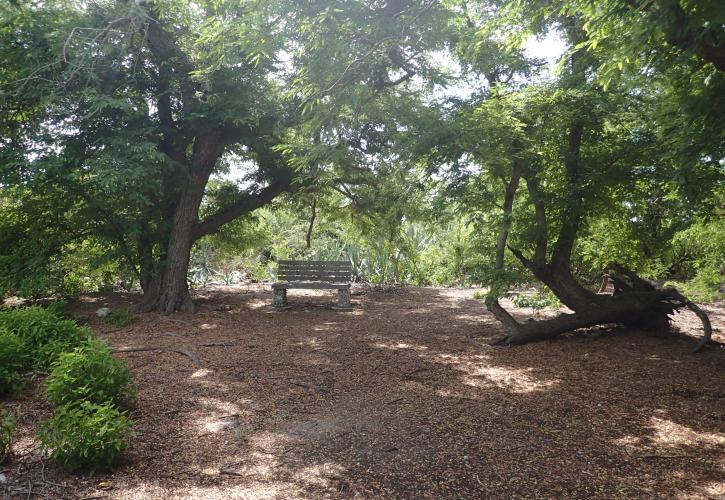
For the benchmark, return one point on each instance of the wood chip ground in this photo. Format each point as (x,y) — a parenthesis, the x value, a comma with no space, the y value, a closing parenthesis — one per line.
(400,398)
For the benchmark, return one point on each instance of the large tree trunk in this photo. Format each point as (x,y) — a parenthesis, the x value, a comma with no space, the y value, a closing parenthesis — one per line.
(169,290)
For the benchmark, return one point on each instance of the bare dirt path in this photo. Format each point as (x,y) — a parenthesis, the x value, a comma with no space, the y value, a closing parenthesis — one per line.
(402,397)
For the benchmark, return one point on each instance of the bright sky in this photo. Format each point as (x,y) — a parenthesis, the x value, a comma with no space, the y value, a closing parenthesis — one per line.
(550,48)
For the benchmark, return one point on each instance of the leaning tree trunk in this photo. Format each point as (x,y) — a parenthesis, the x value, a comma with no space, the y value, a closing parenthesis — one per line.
(635,302)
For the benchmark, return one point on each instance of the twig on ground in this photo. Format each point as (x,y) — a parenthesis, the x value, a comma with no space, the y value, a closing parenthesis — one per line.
(42,475)
(230,472)
(318,388)
(216,344)
(178,321)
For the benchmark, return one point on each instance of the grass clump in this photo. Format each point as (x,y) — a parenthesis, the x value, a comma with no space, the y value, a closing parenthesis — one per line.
(90,373)
(59,308)
(118,319)
(86,435)
(537,301)
(8,424)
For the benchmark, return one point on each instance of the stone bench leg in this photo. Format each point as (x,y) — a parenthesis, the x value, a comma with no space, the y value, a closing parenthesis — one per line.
(343,299)
(280,298)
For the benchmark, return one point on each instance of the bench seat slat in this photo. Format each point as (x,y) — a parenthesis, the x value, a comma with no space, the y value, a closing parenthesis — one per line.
(314,275)
(304,279)
(311,285)
(315,262)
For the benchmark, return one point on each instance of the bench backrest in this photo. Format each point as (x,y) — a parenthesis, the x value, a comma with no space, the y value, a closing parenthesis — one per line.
(330,271)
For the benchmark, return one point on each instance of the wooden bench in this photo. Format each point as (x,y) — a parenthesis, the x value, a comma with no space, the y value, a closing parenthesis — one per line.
(313,274)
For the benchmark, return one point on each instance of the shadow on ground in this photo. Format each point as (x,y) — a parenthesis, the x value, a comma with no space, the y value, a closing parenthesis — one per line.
(403,397)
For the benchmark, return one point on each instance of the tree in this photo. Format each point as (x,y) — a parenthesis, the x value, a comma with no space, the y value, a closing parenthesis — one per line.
(128,108)
(576,146)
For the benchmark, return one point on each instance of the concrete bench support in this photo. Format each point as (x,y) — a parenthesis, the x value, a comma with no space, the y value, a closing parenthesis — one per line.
(329,275)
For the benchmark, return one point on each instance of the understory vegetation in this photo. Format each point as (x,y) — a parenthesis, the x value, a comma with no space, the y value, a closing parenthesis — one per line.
(423,253)
(88,388)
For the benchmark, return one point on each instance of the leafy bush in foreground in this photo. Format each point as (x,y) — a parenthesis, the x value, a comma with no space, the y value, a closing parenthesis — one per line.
(90,373)
(14,357)
(8,423)
(86,435)
(45,334)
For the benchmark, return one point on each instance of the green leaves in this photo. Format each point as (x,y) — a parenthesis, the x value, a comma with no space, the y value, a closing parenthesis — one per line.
(43,333)
(90,373)
(8,424)
(86,435)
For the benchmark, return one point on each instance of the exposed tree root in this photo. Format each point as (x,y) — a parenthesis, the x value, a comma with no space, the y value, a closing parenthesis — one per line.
(193,357)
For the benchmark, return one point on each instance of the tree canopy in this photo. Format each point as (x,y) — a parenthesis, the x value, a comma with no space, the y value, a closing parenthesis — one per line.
(398,124)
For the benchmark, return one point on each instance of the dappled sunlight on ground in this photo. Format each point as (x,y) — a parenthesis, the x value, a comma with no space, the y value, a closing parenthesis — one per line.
(518,381)
(201,372)
(665,434)
(671,434)
(399,345)
(481,372)
(401,398)
(254,491)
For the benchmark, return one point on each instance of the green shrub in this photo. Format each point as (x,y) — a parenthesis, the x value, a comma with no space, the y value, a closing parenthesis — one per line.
(86,435)
(59,308)
(14,358)
(537,301)
(90,373)
(119,319)
(8,423)
(698,290)
(45,334)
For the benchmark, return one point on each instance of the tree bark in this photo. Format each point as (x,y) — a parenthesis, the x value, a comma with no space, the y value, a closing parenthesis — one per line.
(313,216)
(170,292)
(637,303)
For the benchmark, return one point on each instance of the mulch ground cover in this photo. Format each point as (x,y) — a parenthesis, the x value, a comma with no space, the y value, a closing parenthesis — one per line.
(403,397)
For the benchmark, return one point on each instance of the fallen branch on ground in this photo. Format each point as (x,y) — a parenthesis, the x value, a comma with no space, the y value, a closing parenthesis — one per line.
(193,357)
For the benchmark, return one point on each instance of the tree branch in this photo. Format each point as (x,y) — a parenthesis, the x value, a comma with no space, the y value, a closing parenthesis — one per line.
(167,52)
(246,204)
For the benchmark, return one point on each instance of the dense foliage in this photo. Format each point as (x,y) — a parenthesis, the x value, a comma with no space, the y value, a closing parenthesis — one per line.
(8,423)
(162,144)
(43,334)
(86,385)
(90,373)
(86,435)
